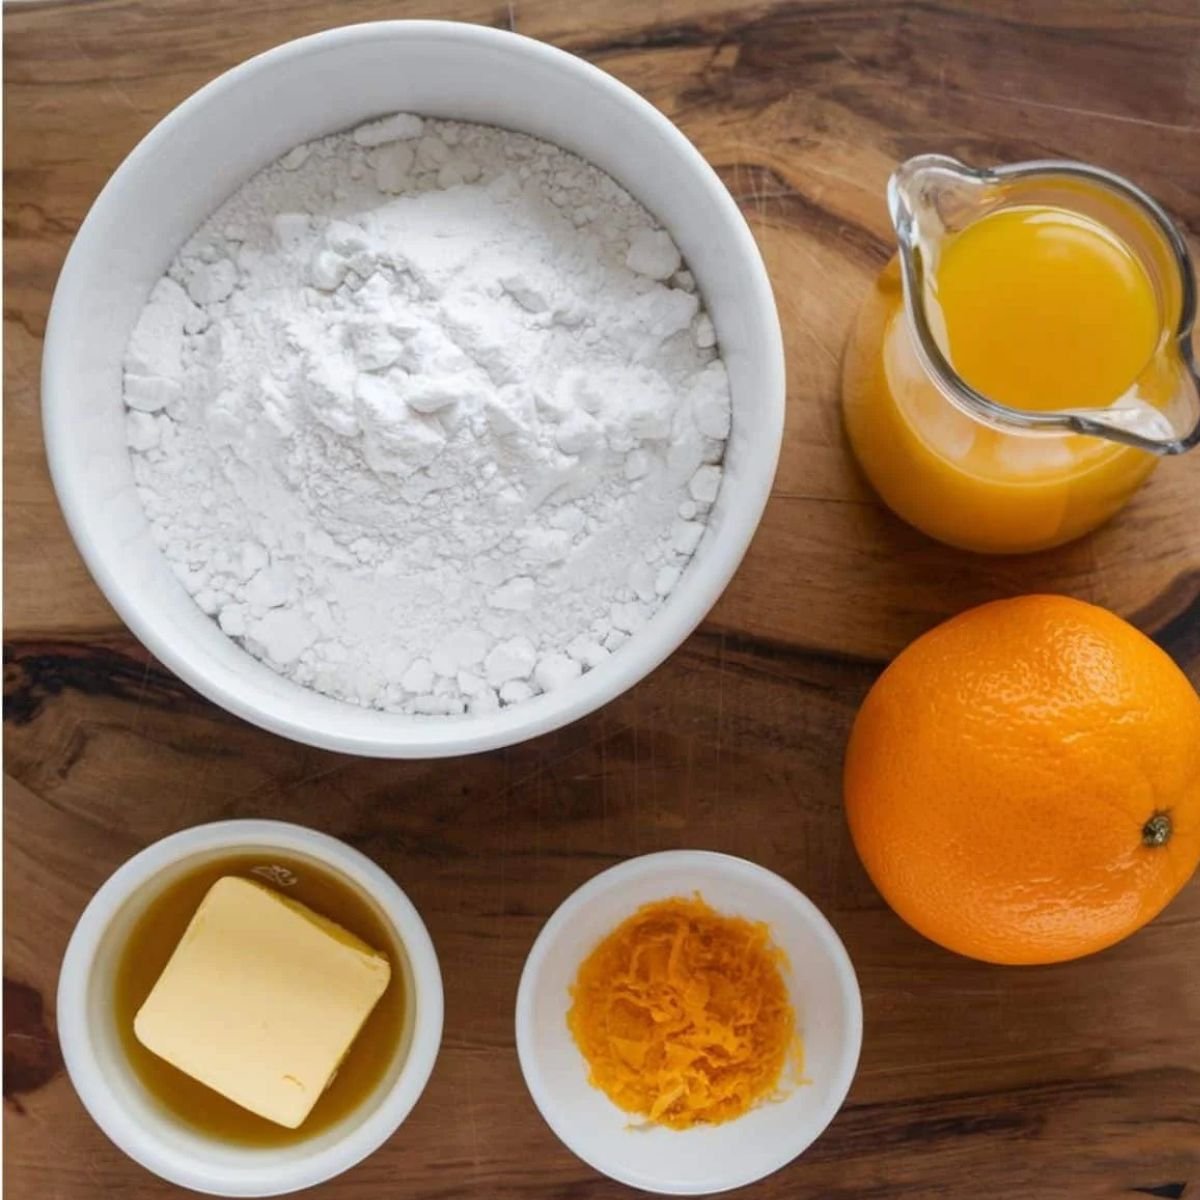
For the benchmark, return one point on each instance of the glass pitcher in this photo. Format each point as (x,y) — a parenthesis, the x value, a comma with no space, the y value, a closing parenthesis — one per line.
(962,466)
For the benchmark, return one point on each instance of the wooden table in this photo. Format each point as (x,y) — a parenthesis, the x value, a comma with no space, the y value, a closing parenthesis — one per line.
(1080,1080)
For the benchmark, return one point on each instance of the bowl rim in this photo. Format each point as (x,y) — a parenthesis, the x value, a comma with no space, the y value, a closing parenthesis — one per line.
(409,737)
(713,862)
(308,1168)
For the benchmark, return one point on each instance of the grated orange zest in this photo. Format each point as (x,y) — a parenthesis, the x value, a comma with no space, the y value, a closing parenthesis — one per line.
(682,1014)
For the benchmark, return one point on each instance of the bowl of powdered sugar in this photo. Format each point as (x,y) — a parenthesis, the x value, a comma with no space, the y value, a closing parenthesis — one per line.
(413,389)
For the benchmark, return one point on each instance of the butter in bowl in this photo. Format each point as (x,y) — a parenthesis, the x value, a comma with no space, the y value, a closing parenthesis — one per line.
(249,1007)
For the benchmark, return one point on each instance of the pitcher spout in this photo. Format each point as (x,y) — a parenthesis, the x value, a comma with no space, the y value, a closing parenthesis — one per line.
(932,195)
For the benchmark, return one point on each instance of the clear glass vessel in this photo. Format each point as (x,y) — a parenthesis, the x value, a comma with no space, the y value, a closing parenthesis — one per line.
(960,465)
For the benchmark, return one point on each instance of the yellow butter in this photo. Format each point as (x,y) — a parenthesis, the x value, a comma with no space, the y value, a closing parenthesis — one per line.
(261,999)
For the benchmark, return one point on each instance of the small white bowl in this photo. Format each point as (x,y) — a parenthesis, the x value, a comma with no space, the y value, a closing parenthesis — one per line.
(120,1105)
(821,984)
(213,142)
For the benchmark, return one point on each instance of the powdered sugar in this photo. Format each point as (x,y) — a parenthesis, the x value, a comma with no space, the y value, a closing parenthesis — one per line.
(428,416)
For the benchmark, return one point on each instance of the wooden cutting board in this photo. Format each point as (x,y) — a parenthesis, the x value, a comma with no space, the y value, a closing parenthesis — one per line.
(1080,1080)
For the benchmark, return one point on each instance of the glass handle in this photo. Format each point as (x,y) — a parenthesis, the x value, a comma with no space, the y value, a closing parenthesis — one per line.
(1136,422)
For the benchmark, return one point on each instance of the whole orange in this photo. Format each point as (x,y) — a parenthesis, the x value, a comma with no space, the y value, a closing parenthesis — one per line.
(1023,781)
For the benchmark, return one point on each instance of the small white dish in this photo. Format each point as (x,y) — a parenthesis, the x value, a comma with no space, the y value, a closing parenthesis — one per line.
(200,153)
(134,1121)
(821,984)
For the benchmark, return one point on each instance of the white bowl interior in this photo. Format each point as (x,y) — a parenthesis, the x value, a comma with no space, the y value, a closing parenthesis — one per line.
(143,1127)
(213,143)
(821,984)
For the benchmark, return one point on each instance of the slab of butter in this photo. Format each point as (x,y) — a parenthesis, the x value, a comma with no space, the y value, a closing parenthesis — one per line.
(261,999)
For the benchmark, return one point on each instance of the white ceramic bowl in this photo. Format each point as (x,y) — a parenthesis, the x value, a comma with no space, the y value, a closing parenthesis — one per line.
(821,984)
(211,144)
(116,1099)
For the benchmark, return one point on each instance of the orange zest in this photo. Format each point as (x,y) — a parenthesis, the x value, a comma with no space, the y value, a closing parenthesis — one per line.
(682,1014)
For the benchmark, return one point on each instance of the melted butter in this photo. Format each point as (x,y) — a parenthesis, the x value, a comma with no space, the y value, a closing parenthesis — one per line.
(153,940)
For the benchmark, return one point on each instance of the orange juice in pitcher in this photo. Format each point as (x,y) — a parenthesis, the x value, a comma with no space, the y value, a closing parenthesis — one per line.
(1026,358)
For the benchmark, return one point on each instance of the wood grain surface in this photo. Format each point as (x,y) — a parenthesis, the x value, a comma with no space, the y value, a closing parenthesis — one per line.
(1080,1080)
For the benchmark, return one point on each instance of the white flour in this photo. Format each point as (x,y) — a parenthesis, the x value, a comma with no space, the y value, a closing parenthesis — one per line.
(427,416)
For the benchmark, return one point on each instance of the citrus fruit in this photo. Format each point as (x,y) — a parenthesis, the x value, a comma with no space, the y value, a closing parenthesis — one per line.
(1023,781)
